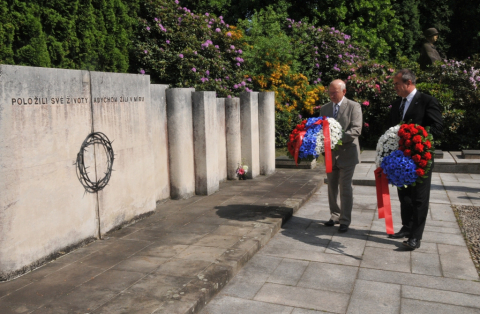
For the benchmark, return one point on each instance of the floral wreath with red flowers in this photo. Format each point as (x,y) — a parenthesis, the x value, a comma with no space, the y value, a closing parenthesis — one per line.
(405,156)
(416,142)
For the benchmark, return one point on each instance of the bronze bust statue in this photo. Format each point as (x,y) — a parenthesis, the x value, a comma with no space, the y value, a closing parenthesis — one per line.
(428,53)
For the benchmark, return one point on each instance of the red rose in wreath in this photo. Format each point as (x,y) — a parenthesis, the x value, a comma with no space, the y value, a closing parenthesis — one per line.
(417,139)
(420,172)
(419,147)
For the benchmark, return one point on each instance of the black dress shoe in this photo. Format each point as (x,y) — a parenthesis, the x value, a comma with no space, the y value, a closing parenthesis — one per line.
(330,223)
(412,243)
(403,233)
(343,228)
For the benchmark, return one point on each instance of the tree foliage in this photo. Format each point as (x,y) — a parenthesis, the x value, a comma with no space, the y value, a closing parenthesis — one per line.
(72,34)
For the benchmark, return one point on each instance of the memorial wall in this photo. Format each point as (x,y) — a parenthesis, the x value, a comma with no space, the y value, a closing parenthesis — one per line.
(82,153)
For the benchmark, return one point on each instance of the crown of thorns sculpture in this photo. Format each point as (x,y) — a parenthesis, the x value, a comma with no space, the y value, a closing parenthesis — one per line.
(82,173)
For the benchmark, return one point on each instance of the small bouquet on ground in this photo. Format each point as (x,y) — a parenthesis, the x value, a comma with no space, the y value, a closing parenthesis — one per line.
(242,171)
(404,157)
(314,136)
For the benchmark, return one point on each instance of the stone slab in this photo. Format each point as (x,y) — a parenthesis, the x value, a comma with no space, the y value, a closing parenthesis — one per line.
(45,116)
(425,307)
(337,278)
(438,154)
(391,260)
(374,297)
(227,304)
(121,106)
(302,297)
(368,156)
(456,262)
(158,107)
(471,154)
(465,165)
(439,296)
(286,162)
(288,272)
(432,282)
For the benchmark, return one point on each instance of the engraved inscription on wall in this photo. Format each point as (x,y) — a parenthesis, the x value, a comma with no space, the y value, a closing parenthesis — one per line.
(73,100)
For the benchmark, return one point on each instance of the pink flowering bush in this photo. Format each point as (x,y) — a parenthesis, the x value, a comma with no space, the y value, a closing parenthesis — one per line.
(322,52)
(456,84)
(183,49)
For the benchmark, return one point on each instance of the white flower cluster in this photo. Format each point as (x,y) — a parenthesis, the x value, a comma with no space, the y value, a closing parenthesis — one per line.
(387,143)
(335,136)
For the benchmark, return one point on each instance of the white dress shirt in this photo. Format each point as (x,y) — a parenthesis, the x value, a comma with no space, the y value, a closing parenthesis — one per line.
(335,105)
(409,100)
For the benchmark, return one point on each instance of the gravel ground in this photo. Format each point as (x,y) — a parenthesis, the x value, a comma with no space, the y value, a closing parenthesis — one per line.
(468,218)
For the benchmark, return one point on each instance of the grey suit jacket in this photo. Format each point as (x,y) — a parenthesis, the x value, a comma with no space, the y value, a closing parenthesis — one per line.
(351,119)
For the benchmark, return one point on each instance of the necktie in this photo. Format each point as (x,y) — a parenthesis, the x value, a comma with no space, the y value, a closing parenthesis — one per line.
(335,111)
(402,107)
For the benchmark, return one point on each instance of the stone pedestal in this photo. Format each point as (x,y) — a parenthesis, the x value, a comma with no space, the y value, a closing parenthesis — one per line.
(266,129)
(180,142)
(233,135)
(249,132)
(205,131)
(221,138)
(158,118)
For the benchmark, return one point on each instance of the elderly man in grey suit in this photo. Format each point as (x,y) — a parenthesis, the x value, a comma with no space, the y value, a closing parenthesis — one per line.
(349,114)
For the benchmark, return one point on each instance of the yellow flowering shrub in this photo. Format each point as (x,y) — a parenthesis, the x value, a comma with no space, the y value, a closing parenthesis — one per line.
(236,33)
(292,90)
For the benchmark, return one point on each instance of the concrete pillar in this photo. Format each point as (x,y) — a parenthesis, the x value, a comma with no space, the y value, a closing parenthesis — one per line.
(233,135)
(222,146)
(266,129)
(180,142)
(249,132)
(205,130)
(159,140)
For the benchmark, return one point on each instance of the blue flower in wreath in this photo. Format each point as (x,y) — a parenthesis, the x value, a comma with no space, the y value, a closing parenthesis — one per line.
(400,169)
(309,143)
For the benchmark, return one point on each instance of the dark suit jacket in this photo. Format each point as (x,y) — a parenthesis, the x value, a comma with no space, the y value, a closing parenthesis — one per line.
(423,110)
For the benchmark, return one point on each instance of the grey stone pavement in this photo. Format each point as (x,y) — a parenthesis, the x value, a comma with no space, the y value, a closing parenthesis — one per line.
(310,268)
(173,261)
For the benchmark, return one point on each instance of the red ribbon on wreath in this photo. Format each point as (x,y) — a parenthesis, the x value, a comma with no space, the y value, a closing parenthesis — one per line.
(298,144)
(326,143)
(383,199)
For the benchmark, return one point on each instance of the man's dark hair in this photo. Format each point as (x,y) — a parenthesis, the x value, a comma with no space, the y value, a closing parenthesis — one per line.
(407,75)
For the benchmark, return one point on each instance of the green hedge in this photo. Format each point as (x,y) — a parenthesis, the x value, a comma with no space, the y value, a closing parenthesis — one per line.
(69,34)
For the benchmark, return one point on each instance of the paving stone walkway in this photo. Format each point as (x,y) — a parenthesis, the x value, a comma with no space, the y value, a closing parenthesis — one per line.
(174,261)
(310,268)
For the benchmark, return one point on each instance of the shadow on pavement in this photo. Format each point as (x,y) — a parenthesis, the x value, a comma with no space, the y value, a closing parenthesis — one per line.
(309,231)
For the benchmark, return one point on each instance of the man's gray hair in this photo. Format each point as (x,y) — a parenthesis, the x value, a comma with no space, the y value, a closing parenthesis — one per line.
(339,82)
(407,75)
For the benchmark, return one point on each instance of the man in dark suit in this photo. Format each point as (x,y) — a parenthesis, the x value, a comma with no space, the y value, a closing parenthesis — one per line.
(418,108)
(349,114)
